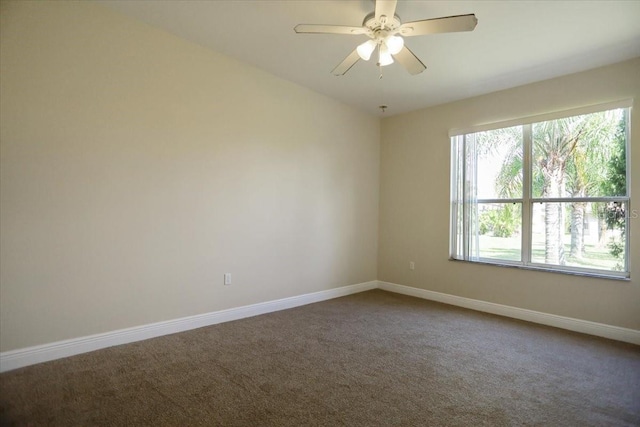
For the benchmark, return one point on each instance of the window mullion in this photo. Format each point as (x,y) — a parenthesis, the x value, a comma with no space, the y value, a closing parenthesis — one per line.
(527,149)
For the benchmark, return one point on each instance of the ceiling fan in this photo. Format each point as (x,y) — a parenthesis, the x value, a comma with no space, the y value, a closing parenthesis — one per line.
(386,32)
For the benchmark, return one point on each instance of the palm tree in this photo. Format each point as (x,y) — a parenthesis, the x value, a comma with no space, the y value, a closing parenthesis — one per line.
(587,169)
(568,157)
(553,144)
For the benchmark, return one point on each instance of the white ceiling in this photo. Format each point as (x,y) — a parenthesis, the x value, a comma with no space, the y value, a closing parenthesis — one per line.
(516,42)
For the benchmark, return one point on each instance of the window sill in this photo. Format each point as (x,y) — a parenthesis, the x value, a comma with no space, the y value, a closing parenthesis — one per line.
(549,270)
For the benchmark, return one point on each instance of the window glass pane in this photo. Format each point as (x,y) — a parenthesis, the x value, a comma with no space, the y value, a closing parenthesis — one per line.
(496,231)
(587,235)
(580,156)
(499,163)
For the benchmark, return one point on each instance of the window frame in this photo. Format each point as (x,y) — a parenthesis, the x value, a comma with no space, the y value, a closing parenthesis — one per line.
(460,223)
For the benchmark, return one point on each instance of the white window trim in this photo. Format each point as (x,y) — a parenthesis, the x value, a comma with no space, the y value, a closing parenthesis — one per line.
(528,200)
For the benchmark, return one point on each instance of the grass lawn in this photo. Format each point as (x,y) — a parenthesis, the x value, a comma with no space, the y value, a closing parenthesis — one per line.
(508,248)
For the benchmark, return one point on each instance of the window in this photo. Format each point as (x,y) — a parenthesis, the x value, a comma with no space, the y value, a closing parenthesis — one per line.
(548,192)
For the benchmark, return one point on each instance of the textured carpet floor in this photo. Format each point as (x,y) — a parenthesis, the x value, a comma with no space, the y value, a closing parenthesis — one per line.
(373,358)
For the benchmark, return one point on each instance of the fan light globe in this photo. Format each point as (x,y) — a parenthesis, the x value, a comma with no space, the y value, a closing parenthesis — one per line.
(395,44)
(384,57)
(366,49)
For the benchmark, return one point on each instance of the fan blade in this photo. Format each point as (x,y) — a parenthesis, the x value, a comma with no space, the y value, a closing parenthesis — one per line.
(449,24)
(330,29)
(410,61)
(346,65)
(385,8)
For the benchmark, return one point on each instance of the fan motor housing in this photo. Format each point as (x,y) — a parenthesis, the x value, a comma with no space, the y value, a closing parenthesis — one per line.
(373,24)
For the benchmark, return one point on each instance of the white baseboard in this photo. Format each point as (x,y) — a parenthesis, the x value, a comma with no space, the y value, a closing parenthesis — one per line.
(586,327)
(15,359)
(43,353)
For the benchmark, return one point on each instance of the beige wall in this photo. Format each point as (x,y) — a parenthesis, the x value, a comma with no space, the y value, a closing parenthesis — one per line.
(414,202)
(137,168)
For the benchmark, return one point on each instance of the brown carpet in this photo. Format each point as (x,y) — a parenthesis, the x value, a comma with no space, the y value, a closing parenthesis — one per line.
(369,359)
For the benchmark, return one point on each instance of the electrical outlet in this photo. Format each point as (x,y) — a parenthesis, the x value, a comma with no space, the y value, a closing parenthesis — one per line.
(412,265)
(227,278)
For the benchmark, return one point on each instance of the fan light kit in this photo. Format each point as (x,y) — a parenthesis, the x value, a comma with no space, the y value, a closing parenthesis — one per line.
(383,38)
(385,32)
